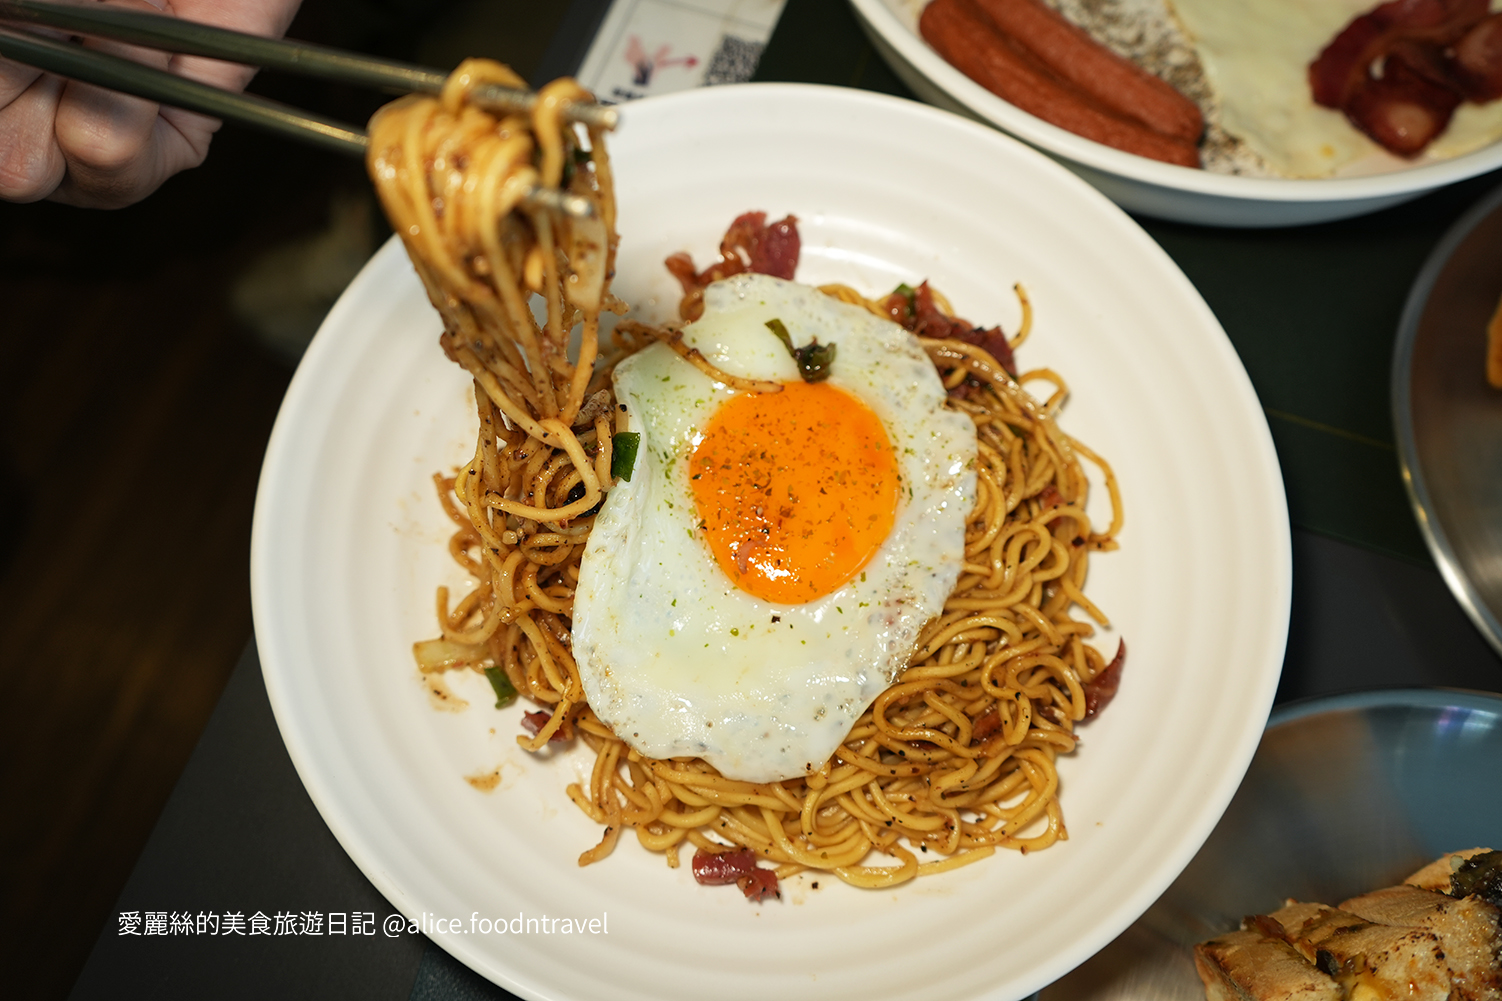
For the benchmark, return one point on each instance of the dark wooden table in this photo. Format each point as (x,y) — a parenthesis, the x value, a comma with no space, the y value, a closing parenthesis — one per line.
(1313,313)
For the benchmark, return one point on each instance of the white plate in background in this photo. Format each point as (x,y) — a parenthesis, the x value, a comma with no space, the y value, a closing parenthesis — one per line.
(349,543)
(1147,186)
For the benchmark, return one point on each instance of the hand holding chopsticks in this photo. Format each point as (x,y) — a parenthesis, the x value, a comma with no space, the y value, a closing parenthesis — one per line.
(83,145)
(100,180)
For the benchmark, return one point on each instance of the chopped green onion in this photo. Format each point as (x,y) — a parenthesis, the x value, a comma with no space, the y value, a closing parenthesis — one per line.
(505,691)
(813,358)
(775,326)
(623,448)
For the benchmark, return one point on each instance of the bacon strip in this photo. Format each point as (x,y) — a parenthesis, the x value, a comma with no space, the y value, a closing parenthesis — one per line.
(998,61)
(1346,63)
(1405,109)
(1400,70)
(1478,60)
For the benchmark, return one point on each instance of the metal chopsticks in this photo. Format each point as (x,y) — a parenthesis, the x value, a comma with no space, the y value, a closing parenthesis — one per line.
(190,38)
(104,70)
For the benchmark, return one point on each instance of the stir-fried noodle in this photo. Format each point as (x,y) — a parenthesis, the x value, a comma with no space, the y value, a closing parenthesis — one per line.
(954,760)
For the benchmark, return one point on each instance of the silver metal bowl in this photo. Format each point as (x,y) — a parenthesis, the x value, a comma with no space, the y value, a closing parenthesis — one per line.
(1448,420)
(1346,794)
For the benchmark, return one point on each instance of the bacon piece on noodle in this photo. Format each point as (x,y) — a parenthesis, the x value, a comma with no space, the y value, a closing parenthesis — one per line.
(534,722)
(994,342)
(916,310)
(750,244)
(768,249)
(986,724)
(738,867)
(1102,688)
(719,868)
(759,885)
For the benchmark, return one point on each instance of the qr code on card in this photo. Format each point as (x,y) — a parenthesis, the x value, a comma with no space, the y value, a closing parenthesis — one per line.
(733,62)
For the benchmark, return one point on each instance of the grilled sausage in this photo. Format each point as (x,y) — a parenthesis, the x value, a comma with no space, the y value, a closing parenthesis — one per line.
(1073,56)
(968,40)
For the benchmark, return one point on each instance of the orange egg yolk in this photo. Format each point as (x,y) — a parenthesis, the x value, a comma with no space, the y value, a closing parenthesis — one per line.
(795,490)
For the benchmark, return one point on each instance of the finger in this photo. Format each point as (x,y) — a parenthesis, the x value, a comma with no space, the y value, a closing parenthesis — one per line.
(170,149)
(31,165)
(118,149)
(110,140)
(14,79)
(268,18)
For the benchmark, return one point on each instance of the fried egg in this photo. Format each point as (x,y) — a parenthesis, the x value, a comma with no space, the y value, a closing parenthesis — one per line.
(765,572)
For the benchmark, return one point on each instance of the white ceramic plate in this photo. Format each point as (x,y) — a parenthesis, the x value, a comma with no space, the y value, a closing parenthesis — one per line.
(349,544)
(1138,183)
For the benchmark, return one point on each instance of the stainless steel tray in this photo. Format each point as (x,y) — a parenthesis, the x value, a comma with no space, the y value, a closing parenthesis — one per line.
(1346,794)
(1448,420)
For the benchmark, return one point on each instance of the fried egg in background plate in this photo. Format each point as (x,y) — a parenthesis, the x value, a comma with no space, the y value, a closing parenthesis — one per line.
(742,598)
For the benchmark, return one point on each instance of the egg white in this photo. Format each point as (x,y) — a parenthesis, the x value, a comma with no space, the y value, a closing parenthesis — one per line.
(674,657)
